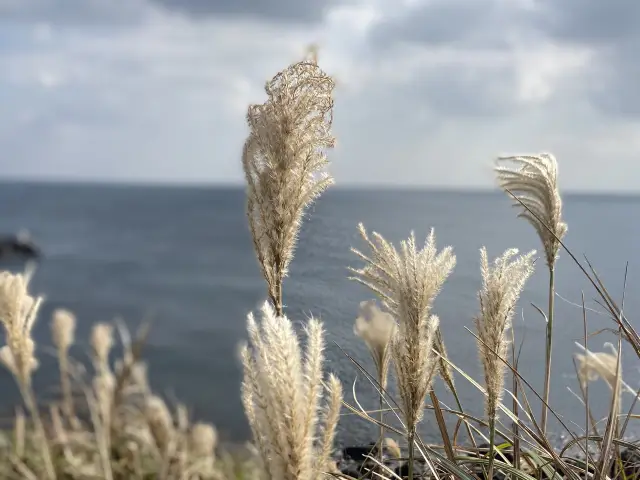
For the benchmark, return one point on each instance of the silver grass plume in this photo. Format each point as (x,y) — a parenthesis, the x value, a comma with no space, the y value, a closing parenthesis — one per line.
(282,391)
(407,282)
(533,179)
(283,161)
(63,326)
(18,311)
(594,365)
(502,284)
(376,329)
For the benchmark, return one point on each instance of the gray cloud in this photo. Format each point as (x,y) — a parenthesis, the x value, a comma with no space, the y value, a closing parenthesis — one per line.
(610,29)
(471,23)
(589,22)
(431,104)
(131,12)
(73,12)
(278,10)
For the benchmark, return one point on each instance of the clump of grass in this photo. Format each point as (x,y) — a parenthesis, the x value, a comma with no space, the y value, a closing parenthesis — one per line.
(282,390)
(117,429)
(407,282)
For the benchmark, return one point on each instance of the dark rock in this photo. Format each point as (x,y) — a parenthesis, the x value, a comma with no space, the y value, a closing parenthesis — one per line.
(19,246)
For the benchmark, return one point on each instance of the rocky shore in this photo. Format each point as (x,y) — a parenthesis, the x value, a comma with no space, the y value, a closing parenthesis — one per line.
(354,461)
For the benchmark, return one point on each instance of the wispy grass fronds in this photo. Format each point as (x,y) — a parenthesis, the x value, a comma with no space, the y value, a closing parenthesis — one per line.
(376,328)
(502,284)
(407,282)
(18,312)
(63,325)
(533,181)
(284,160)
(596,365)
(282,392)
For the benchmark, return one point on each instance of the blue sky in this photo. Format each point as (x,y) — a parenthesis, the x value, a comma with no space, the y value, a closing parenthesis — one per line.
(429,91)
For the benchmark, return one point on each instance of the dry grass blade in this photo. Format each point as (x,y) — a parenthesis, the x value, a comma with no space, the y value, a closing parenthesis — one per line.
(606,457)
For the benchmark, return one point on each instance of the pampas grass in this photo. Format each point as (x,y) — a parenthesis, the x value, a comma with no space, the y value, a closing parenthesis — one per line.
(283,161)
(407,282)
(121,429)
(282,392)
(502,284)
(533,182)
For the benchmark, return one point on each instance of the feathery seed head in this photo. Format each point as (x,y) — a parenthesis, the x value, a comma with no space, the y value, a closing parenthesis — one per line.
(502,284)
(407,282)
(101,343)
(281,393)
(160,421)
(63,328)
(203,439)
(18,312)
(284,160)
(533,179)
(594,365)
(376,329)
(393,447)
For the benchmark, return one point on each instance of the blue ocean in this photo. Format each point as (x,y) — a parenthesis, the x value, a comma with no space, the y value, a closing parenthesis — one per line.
(183,259)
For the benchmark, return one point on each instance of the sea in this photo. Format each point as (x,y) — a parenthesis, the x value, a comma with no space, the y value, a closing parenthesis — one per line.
(182,258)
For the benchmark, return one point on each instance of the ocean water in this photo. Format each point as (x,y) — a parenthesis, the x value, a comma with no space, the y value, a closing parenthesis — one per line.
(183,258)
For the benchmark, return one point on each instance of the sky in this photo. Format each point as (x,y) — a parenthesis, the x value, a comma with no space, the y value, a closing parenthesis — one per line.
(429,92)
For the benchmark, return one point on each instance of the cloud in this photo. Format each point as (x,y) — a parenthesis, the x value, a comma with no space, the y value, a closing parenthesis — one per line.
(610,29)
(280,10)
(132,12)
(428,92)
(84,13)
(467,23)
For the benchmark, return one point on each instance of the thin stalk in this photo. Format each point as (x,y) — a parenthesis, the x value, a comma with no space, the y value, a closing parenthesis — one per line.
(587,411)
(32,407)
(547,376)
(492,435)
(410,440)
(516,433)
(276,297)
(381,403)
(65,384)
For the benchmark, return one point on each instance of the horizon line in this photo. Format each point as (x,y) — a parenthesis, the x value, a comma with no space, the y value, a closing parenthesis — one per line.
(122,183)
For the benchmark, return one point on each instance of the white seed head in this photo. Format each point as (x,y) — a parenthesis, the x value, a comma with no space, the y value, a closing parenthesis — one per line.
(407,281)
(18,311)
(376,329)
(284,162)
(63,328)
(102,342)
(594,365)
(533,179)
(502,284)
(159,421)
(203,439)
